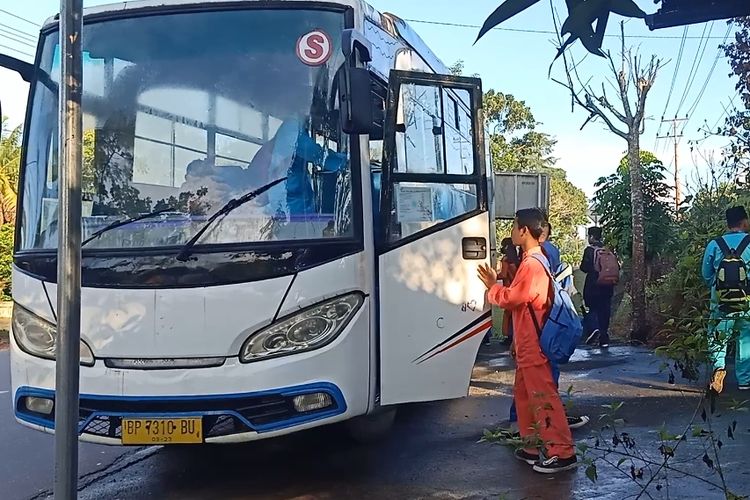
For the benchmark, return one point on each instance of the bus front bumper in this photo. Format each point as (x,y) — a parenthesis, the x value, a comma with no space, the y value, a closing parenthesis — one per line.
(233,403)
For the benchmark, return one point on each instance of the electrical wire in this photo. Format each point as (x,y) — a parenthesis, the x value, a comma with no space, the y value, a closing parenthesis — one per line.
(17,50)
(672,86)
(11,37)
(539,32)
(21,33)
(696,64)
(20,18)
(719,52)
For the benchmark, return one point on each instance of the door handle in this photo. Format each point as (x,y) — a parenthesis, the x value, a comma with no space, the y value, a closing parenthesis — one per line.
(474,248)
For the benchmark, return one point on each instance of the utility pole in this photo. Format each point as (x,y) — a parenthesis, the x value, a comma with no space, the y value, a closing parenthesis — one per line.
(675,136)
(69,252)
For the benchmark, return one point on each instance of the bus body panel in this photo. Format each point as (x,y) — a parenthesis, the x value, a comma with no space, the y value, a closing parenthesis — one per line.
(428,348)
(324,282)
(195,391)
(161,323)
(413,339)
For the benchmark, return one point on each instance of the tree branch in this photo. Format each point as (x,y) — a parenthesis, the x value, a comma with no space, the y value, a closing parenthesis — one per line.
(605,102)
(622,86)
(589,104)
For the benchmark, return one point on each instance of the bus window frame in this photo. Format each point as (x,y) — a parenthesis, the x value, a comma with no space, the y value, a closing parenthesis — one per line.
(42,78)
(391,176)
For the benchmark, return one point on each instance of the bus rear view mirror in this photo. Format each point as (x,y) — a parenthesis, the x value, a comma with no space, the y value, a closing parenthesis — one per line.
(24,69)
(356,100)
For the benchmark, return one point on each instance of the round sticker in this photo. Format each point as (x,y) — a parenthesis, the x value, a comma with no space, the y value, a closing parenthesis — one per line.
(314,48)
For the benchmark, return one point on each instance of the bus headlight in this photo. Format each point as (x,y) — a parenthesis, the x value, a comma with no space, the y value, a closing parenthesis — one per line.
(308,329)
(38,337)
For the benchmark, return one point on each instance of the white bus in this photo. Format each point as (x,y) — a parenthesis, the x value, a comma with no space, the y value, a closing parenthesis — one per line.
(284,206)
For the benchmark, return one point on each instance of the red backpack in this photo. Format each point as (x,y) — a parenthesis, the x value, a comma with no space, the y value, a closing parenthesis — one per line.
(608,267)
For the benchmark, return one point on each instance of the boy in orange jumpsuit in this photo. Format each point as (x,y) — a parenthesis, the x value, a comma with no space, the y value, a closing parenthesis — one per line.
(541,415)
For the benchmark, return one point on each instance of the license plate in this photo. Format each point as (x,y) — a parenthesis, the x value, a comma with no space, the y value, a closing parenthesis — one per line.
(143,431)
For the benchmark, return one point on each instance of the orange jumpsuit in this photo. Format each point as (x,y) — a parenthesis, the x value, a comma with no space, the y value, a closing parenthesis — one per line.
(507,273)
(541,414)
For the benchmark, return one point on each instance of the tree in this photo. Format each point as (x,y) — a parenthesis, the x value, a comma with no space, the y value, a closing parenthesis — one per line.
(613,204)
(737,125)
(10,161)
(516,146)
(567,211)
(634,79)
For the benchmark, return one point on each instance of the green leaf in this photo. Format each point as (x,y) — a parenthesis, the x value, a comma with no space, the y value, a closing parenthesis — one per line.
(591,473)
(627,8)
(507,9)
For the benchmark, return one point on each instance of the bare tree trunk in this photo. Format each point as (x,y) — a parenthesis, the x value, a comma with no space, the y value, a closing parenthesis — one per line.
(638,278)
(632,74)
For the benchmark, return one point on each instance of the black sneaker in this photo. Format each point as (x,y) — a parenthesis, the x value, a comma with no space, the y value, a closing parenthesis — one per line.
(578,422)
(594,335)
(527,457)
(556,464)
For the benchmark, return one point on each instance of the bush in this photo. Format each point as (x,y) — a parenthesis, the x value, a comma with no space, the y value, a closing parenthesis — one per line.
(6,260)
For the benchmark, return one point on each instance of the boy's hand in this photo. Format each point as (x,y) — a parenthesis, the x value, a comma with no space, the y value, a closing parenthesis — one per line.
(487,275)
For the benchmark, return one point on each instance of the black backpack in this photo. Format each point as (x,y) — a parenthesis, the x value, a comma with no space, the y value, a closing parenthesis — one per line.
(732,280)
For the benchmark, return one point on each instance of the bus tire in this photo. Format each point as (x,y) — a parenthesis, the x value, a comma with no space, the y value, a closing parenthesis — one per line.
(371,428)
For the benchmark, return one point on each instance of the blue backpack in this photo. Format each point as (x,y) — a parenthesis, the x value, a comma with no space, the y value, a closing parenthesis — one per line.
(562,328)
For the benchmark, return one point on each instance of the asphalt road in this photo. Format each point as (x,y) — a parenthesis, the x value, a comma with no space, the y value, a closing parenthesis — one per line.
(433,451)
(27,464)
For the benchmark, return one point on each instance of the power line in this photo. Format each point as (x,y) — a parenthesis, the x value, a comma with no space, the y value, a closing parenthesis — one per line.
(20,18)
(21,33)
(16,50)
(710,73)
(674,135)
(672,86)
(696,64)
(542,32)
(10,36)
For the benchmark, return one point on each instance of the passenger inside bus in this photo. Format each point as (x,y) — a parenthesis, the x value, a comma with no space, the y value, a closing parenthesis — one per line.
(287,154)
(291,150)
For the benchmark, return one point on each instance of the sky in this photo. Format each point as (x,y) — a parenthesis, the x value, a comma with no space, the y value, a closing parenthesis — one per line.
(693,84)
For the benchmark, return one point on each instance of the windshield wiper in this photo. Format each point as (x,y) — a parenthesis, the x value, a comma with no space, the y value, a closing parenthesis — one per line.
(123,222)
(231,205)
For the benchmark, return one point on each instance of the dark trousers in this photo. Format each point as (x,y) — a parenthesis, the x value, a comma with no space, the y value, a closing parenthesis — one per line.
(600,312)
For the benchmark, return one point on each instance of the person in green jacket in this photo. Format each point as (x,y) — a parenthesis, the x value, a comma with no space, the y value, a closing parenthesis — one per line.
(729,319)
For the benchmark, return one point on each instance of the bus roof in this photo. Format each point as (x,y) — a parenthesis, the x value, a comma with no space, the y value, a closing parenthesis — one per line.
(404,31)
(147,4)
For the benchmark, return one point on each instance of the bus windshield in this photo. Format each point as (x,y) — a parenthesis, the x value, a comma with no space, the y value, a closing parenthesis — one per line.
(184,112)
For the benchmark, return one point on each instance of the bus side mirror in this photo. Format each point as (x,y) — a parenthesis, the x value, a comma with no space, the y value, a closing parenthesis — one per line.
(356,102)
(24,69)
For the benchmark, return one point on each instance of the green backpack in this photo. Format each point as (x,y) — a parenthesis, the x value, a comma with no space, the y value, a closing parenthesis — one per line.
(732,280)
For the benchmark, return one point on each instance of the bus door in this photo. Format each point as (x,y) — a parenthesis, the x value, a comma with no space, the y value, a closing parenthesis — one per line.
(434,233)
